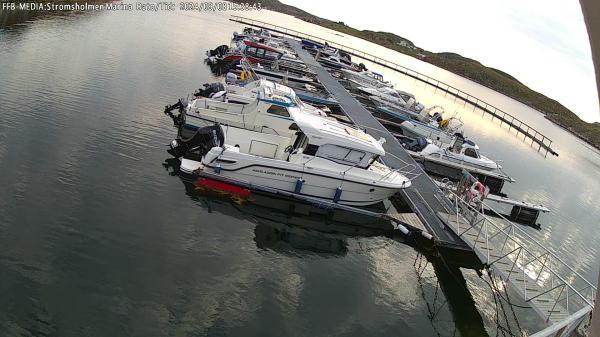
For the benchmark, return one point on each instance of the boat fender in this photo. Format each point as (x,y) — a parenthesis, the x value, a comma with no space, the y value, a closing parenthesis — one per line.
(427,235)
(337,195)
(245,75)
(402,228)
(217,169)
(298,187)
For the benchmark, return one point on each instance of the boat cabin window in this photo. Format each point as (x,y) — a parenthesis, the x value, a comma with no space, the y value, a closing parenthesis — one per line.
(344,155)
(311,150)
(278,110)
(471,153)
(271,55)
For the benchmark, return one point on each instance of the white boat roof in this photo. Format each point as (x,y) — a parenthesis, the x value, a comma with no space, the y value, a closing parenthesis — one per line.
(268,88)
(323,131)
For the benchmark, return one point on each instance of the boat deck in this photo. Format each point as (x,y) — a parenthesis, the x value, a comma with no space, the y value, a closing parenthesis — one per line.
(424,197)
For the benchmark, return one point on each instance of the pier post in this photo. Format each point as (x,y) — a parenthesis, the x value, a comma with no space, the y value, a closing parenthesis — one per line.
(595,326)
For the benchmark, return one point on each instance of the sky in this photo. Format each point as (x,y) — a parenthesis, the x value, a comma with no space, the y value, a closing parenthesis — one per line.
(543,43)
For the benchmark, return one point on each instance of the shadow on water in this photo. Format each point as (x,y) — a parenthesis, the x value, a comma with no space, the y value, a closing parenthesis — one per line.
(295,228)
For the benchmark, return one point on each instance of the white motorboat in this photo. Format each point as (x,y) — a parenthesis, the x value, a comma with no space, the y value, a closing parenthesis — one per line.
(460,150)
(333,61)
(319,158)
(391,97)
(365,78)
(439,130)
(241,92)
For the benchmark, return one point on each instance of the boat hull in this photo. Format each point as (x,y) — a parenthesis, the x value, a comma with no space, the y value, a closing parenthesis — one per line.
(315,184)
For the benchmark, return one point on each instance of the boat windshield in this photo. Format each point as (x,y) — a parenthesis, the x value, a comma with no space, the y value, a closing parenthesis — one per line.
(469,152)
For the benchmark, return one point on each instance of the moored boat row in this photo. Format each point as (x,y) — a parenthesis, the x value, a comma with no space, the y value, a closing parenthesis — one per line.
(271,124)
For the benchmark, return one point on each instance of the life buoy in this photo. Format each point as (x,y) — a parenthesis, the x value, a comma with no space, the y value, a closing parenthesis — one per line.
(476,192)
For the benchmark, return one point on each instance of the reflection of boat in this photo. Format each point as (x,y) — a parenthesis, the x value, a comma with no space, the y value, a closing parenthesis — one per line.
(287,225)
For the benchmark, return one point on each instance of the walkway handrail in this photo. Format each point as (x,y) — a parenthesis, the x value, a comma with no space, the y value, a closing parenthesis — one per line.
(529,237)
(520,232)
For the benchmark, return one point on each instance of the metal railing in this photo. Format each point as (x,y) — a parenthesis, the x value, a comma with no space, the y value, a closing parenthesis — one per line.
(513,122)
(535,269)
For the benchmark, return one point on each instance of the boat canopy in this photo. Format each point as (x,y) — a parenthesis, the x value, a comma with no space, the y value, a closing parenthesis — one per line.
(257,45)
(323,131)
(267,94)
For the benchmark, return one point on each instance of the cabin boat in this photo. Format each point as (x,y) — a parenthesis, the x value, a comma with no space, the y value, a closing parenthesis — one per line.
(430,116)
(333,61)
(261,106)
(310,94)
(244,92)
(317,157)
(445,131)
(254,52)
(364,78)
(393,98)
(460,150)
(274,73)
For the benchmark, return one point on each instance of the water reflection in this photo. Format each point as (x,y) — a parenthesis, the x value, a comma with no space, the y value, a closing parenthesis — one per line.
(296,229)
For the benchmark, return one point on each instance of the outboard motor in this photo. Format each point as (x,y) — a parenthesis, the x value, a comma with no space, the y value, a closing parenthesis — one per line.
(179,106)
(231,78)
(209,89)
(417,144)
(199,143)
(219,51)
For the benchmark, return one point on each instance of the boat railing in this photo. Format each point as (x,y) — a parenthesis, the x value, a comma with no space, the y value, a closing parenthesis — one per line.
(407,170)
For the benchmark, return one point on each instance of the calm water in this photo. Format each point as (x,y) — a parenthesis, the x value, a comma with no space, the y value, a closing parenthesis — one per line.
(100,237)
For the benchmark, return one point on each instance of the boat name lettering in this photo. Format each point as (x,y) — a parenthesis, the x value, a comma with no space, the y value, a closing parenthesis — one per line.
(273,173)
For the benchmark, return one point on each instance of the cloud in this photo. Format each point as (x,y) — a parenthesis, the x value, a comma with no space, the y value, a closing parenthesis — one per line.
(543,43)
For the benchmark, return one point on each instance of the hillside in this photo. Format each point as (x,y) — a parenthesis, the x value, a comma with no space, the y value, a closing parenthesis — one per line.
(462,66)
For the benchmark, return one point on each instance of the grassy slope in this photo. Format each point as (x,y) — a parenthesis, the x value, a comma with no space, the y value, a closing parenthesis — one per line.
(465,67)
